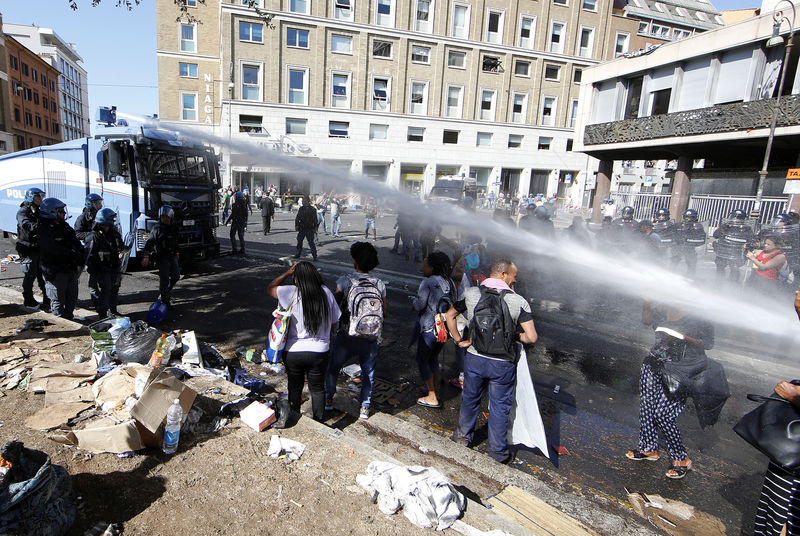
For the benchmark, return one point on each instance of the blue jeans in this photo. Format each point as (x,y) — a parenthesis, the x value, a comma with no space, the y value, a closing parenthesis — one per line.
(62,290)
(169,272)
(428,354)
(321,221)
(502,377)
(336,223)
(369,223)
(343,348)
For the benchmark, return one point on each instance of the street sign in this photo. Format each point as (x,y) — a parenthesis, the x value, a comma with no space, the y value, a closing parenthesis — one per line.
(792,185)
(793,174)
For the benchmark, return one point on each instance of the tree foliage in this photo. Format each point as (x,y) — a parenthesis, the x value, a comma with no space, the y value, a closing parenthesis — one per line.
(185,14)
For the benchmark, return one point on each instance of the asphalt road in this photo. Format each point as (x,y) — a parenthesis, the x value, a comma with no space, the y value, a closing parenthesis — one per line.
(593,356)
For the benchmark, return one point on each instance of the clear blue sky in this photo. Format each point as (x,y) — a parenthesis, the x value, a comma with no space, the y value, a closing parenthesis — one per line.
(119,47)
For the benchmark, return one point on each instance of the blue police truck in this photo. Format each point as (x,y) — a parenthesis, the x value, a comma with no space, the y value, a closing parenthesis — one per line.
(136,170)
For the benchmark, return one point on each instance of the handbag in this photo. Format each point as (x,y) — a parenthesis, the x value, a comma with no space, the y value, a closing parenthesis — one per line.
(774,429)
(276,338)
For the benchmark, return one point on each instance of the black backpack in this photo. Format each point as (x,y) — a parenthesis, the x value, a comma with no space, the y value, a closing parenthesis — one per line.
(491,328)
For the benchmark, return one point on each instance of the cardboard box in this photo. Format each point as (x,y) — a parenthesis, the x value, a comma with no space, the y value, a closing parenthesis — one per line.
(191,350)
(115,438)
(257,416)
(160,392)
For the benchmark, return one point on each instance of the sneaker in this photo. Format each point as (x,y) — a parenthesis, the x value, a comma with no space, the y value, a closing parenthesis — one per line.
(364,413)
(328,404)
(30,302)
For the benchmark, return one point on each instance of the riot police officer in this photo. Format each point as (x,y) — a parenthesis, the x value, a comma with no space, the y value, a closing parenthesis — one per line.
(664,227)
(624,229)
(688,235)
(62,257)
(784,227)
(238,220)
(104,247)
(163,244)
(28,247)
(733,237)
(83,228)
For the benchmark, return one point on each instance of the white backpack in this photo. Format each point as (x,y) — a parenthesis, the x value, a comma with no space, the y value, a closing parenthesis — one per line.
(365,304)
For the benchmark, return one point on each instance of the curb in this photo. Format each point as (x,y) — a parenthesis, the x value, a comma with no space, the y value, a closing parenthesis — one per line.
(10,296)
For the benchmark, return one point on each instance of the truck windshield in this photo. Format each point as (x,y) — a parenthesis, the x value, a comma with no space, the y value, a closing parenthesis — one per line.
(177,167)
(453,193)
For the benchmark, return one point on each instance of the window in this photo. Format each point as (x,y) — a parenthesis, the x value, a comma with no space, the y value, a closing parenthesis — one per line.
(548,111)
(296,126)
(420,54)
(544,143)
(55,127)
(484,139)
(187,70)
(460,28)
(423,16)
(586,42)
(577,75)
(454,101)
(384,15)
(36,97)
(298,6)
(701,16)
(680,34)
(491,64)
(12,60)
(527,31)
(24,68)
(45,104)
(660,7)
(34,74)
(380,93)
(621,46)
(519,107)
(188,106)
(590,5)
(573,112)
(487,104)
(20,142)
(662,32)
(415,134)
(250,124)
(661,101)
(418,98)
(557,31)
(251,82)
(342,44)
(250,32)
(44,78)
(378,132)
(52,86)
(560,2)
(514,141)
(382,49)
(342,9)
(644,27)
(296,38)
(29,119)
(570,141)
(28,94)
(340,90)
(450,137)
(552,72)
(338,129)
(297,86)
(46,126)
(17,115)
(188,38)
(522,68)
(456,59)
(494,26)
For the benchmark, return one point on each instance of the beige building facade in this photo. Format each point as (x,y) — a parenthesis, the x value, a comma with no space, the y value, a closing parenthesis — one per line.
(400,91)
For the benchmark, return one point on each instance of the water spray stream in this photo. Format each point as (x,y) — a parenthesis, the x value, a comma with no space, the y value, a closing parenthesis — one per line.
(623,274)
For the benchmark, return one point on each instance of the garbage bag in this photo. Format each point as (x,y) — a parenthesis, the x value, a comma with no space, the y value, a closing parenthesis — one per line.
(711,393)
(137,343)
(35,495)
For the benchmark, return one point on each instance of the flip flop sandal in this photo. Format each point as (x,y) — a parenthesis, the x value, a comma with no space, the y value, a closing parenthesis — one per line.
(680,471)
(422,402)
(638,455)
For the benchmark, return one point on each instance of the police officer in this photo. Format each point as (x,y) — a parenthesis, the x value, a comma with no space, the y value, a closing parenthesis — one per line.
(62,257)
(623,229)
(28,247)
(784,227)
(538,223)
(689,235)
(238,218)
(163,244)
(664,227)
(104,247)
(733,237)
(83,228)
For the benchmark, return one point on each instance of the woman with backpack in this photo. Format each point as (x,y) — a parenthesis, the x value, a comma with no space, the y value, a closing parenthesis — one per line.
(767,263)
(435,297)
(314,315)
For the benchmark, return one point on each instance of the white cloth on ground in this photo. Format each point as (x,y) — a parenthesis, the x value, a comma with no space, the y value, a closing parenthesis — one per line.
(280,445)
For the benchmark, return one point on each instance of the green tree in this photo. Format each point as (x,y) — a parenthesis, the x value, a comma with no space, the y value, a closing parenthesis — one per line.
(185,14)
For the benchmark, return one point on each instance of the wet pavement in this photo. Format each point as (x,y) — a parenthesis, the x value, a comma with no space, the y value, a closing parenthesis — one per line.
(593,356)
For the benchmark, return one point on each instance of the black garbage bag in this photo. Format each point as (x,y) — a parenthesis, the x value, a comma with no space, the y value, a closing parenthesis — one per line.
(711,393)
(35,495)
(136,343)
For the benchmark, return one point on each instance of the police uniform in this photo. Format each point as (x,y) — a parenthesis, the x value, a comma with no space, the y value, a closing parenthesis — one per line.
(623,233)
(733,236)
(163,243)
(62,260)
(83,228)
(665,229)
(28,249)
(688,236)
(103,263)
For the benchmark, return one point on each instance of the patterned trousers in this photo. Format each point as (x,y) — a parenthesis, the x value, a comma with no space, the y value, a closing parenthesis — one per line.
(658,413)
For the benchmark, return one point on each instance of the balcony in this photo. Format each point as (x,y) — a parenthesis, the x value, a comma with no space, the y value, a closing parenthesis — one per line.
(716,119)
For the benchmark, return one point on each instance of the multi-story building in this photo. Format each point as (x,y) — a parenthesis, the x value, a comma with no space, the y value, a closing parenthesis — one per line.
(662,21)
(33,97)
(6,139)
(72,80)
(402,92)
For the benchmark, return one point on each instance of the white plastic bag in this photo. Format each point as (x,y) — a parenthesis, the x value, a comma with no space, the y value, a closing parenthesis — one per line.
(525,425)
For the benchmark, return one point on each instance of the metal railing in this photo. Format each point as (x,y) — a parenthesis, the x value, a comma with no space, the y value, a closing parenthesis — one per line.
(644,205)
(714,208)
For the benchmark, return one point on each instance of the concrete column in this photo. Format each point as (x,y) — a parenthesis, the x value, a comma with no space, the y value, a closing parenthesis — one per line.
(680,188)
(602,188)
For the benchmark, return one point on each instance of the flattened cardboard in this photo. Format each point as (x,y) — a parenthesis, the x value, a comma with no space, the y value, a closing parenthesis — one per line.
(161,391)
(81,394)
(55,416)
(115,439)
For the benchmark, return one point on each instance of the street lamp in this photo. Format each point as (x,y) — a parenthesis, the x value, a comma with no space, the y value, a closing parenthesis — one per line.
(778,18)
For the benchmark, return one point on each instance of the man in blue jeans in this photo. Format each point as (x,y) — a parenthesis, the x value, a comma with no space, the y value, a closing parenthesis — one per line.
(345,347)
(487,363)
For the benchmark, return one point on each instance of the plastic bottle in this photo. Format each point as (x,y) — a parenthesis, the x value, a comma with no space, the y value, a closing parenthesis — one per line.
(158,354)
(172,430)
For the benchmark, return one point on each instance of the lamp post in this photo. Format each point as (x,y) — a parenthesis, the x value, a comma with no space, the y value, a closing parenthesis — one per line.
(778,18)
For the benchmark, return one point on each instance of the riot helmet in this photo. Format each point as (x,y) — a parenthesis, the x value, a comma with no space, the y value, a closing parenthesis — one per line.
(627,213)
(782,219)
(106,216)
(662,214)
(50,208)
(645,224)
(690,215)
(238,195)
(739,214)
(93,202)
(795,217)
(167,211)
(33,193)
(541,213)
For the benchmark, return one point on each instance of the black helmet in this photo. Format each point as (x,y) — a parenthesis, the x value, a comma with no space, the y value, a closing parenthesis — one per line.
(739,214)
(627,212)
(690,215)
(782,219)
(106,216)
(50,207)
(167,211)
(662,214)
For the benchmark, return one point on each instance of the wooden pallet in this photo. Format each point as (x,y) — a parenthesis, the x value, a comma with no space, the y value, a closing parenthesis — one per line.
(535,515)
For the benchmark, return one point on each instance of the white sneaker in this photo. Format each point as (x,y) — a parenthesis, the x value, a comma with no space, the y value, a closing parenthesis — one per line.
(364,414)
